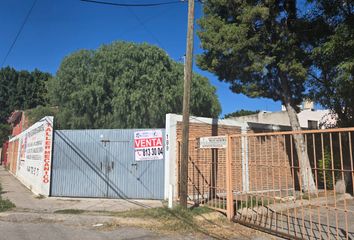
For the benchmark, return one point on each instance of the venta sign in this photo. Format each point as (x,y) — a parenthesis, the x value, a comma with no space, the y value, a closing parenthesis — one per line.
(148,145)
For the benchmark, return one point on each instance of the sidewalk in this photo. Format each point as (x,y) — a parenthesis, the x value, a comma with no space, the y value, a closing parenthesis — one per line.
(25,200)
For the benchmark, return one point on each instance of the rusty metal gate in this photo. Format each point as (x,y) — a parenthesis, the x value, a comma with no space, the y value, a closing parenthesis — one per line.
(260,181)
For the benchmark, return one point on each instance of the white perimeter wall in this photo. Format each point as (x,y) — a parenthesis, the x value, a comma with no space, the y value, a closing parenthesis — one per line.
(35,156)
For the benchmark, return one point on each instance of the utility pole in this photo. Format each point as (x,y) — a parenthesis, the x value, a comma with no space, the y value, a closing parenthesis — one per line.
(186,102)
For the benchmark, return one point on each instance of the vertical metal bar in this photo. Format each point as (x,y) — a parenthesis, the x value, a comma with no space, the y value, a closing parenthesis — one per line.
(178,168)
(308,191)
(343,179)
(325,183)
(279,180)
(204,166)
(199,173)
(229,199)
(303,229)
(267,175)
(294,178)
(233,145)
(255,177)
(334,183)
(273,180)
(217,188)
(351,158)
(261,161)
(316,179)
(192,162)
(286,183)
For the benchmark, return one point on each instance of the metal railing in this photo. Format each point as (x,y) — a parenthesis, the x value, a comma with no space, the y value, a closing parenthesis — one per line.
(260,180)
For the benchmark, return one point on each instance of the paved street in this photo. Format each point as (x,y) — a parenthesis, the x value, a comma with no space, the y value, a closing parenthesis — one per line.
(29,231)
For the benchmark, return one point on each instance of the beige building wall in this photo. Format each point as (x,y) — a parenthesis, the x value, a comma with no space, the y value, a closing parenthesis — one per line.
(323,118)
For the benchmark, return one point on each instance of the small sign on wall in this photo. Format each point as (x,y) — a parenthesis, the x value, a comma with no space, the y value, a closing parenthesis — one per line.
(148,145)
(213,142)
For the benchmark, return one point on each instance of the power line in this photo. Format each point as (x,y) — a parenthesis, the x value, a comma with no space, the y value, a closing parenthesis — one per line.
(145,27)
(18,33)
(135,15)
(134,28)
(134,5)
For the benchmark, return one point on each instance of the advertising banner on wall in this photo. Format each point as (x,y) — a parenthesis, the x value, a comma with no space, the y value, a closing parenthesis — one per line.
(35,156)
(148,145)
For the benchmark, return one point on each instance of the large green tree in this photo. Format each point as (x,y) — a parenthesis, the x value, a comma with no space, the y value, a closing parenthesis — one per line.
(20,90)
(257,48)
(332,79)
(125,85)
(240,113)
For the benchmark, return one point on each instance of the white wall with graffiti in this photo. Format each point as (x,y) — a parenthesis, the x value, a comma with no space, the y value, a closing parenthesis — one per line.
(35,156)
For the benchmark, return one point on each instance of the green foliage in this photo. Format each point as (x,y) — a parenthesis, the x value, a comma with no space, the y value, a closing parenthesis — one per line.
(325,172)
(36,114)
(255,46)
(5,204)
(252,202)
(125,85)
(20,90)
(332,82)
(4,132)
(240,113)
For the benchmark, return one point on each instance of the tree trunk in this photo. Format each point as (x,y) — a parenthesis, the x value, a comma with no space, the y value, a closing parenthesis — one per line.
(307,181)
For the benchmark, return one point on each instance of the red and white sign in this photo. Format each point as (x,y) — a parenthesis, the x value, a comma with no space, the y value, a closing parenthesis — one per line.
(148,145)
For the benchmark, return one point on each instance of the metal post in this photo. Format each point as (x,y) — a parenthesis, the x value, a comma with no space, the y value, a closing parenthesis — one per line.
(229,194)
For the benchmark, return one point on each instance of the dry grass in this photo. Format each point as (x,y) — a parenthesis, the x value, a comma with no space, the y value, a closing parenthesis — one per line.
(199,222)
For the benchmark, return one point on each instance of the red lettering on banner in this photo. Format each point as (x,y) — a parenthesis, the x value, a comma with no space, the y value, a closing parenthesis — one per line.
(47,153)
(148,142)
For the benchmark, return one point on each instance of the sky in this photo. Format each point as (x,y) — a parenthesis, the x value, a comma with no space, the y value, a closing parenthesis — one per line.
(56,28)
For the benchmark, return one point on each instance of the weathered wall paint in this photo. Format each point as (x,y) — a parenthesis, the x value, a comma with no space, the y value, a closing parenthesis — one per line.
(34,156)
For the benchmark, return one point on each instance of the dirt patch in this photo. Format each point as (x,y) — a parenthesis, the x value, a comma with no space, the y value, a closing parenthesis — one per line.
(200,222)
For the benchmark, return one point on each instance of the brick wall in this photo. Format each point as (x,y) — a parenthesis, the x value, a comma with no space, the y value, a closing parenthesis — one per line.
(206,167)
(268,161)
(197,130)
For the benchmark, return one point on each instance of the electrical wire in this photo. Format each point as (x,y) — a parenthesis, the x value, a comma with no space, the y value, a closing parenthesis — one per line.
(134,5)
(134,28)
(145,27)
(18,33)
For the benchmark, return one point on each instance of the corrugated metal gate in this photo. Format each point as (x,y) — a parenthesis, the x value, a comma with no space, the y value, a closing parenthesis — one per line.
(100,163)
